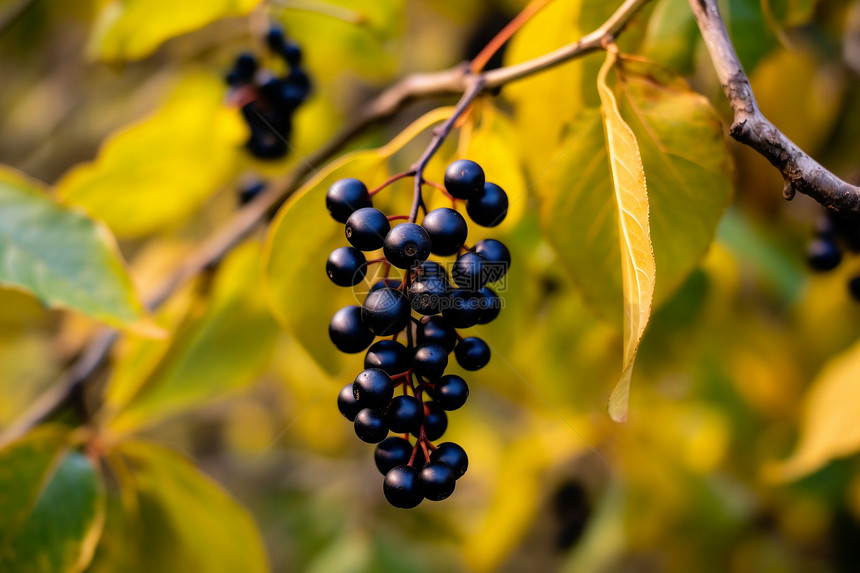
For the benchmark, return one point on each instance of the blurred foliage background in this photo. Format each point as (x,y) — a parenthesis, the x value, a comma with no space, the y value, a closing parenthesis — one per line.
(740,450)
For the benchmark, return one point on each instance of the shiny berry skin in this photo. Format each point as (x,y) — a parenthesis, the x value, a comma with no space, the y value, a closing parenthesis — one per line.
(489,207)
(370,425)
(822,255)
(464,179)
(432,268)
(491,305)
(385,283)
(404,414)
(346,266)
(347,331)
(472,353)
(385,311)
(453,455)
(447,230)
(497,256)
(347,404)
(346,196)
(389,356)
(275,39)
(435,421)
(391,452)
(428,293)
(854,288)
(436,480)
(366,229)
(464,309)
(467,271)
(373,388)
(400,487)
(450,392)
(406,245)
(437,330)
(430,361)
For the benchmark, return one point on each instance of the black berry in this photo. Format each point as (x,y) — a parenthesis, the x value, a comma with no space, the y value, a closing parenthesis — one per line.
(430,361)
(472,353)
(366,228)
(428,293)
(464,308)
(453,455)
(450,392)
(392,452)
(823,255)
(447,230)
(385,311)
(491,305)
(389,356)
(373,388)
(400,487)
(347,331)
(436,480)
(489,207)
(468,272)
(464,179)
(345,197)
(346,266)
(347,404)
(370,425)
(497,256)
(404,414)
(437,330)
(435,421)
(406,245)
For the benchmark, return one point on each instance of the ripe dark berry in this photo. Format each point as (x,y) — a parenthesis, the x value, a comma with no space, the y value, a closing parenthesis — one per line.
(391,452)
(404,414)
(345,197)
(385,311)
(435,421)
(497,256)
(347,404)
(293,90)
(400,487)
(243,69)
(430,361)
(389,356)
(453,455)
(406,245)
(447,230)
(347,331)
(854,288)
(366,229)
(346,266)
(450,392)
(489,207)
(491,305)
(370,425)
(472,353)
(428,293)
(436,480)
(464,179)
(292,54)
(823,255)
(385,283)
(249,192)
(437,330)
(431,268)
(275,39)
(467,271)
(373,388)
(464,308)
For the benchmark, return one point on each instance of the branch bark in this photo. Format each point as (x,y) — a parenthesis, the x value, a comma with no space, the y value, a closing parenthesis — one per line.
(800,172)
(454,81)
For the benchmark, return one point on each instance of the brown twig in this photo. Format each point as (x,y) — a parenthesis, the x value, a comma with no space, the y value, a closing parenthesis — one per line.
(800,172)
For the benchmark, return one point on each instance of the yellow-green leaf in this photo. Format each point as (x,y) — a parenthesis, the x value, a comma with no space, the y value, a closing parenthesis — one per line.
(637,256)
(828,426)
(157,173)
(64,258)
(223,350)
(133,29)
(184,521)
(51,505)
(302,235)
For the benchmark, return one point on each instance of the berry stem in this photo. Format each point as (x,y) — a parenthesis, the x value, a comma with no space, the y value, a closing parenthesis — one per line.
(397,217)
(391,180)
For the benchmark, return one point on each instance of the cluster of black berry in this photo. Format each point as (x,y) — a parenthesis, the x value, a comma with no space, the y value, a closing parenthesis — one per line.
(423,308)
(833,235)
(269,102)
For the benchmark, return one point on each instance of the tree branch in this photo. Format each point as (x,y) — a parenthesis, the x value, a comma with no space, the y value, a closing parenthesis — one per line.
(454,81)
(800,172)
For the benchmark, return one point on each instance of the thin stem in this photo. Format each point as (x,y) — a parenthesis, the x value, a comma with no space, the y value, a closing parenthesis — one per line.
(391,180)
(397,217)
(494,45)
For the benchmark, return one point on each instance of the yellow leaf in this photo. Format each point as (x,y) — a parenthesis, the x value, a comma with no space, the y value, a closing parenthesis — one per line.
(133,29)
(158,172)
(638,267)
(828,428)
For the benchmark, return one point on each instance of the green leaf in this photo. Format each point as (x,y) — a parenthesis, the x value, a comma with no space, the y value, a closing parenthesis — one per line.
(61,256)
(133,29)
(752,37)
(184,521)
(638,269)
(222,351)
(157,173)
(51,505)
(303,234)
(672,35)
(828,427)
